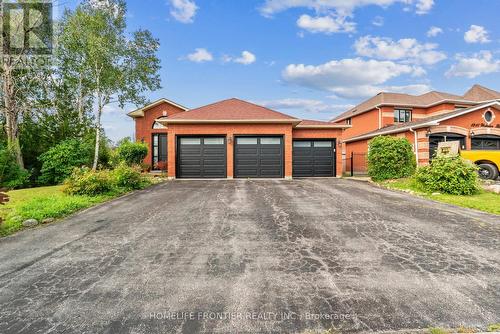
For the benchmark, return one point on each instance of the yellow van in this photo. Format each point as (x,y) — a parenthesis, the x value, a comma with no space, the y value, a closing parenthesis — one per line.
(487,161)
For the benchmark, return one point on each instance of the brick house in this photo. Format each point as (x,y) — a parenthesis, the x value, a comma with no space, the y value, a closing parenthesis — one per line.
(425,120)
(236,139)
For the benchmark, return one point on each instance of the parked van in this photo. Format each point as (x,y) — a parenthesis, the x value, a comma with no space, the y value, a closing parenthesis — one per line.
(487,161)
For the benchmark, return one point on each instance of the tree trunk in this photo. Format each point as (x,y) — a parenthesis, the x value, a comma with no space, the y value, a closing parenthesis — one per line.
(11,112)
(97,131)
(80,99)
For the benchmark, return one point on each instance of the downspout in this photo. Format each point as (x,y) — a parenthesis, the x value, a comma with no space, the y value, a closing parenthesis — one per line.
(379,117)
(416,143)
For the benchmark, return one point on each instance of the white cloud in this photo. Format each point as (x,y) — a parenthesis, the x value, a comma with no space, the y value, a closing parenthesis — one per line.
(365,91)
(424,6)
(246,58)
(325,24)
(183,10)
(378,21)
(347,77)
(309,105)
(434,31)
(476,34)
(406,49)
(341,7)
(200,55)
(479,63)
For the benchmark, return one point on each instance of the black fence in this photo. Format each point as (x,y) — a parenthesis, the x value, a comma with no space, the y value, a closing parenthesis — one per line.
(356,164)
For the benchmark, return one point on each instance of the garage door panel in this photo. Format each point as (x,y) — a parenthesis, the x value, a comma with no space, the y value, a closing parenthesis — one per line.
(270,151)
(258,156)
(272,172)
(313,158)
(201,157)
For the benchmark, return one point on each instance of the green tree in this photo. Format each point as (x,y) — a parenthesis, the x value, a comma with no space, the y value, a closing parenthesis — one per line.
(116,67)
(20,78)
(59,161)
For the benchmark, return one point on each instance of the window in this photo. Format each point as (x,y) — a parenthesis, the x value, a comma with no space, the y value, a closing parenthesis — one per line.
(246,141)
(157,125)
(402,115)
(159,151)
(301,144)
(488,116)
(190,141)
(322,144)
(348,121)
(213,141)
(486,143)
(270,141)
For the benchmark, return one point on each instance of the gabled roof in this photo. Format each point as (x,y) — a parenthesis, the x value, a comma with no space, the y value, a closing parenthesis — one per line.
(140,112)
(481,93)
(422,123)
(473,96)
(231,111)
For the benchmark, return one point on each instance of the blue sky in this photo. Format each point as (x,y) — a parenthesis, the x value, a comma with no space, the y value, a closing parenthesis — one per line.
(315,58)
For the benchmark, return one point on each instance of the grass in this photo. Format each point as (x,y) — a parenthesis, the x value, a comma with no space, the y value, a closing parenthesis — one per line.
(483,201)
(437,330)
(43,202)
(494,327)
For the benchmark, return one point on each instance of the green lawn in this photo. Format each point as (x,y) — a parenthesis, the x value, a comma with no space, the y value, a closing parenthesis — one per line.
(484,201)
(40,203)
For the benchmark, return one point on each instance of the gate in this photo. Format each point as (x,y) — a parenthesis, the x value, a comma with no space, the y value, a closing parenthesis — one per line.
(356,164)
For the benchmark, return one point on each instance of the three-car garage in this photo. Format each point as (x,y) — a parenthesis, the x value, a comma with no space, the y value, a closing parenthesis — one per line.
(254,157)
(236,139)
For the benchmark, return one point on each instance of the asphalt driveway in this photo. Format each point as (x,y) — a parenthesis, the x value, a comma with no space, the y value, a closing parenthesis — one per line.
(254,256)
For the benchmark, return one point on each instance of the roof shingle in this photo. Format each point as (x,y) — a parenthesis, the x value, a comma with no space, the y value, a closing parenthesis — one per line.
(476,94)
(232,110)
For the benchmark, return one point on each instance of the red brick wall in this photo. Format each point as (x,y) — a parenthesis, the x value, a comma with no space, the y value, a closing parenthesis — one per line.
(362,123)
(144,125)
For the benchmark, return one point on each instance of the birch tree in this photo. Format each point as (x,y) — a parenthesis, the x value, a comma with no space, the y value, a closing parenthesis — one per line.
(116,67)
(20,78)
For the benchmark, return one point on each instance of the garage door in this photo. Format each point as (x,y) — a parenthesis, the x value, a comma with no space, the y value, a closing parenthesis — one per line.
(313,158)
(258,157)
(201,157)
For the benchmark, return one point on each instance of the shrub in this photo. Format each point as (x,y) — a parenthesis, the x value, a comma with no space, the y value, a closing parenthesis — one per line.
(59,161)
(390,158)
(128,177)
(11,174)
(450,175)
(84,181)
(131,153)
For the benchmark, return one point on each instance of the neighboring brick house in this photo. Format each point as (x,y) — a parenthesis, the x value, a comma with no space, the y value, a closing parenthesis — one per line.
(425,120)
(235,138)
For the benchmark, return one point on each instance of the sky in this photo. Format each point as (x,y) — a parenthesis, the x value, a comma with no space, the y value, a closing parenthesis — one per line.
(314,59)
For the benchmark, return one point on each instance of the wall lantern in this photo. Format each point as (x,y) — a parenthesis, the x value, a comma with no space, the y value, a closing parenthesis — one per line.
(428,133)
(472,134)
